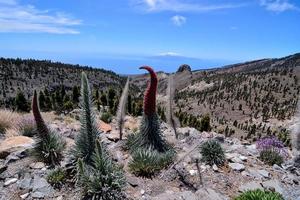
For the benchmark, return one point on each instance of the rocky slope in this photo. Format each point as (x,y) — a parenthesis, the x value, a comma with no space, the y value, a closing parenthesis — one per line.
(25,75)
(22,177)
(246,100)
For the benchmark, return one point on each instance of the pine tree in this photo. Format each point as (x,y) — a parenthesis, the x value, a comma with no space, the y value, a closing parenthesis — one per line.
(21,102)
(75,95)
(42,101)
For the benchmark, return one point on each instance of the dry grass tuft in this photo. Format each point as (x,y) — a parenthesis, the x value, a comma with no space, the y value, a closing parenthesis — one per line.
(8,120)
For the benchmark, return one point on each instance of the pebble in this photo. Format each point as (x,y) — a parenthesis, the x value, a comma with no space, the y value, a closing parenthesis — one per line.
(24,196)
(215,168)
(10,181)
(237,166)
(193,172)
(37,165)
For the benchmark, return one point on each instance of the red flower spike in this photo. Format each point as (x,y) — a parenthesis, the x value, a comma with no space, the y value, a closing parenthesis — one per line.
(41,126)
(150,94)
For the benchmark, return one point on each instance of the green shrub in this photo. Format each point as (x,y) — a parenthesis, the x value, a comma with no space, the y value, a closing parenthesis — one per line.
(259,195)
(212,153)
(102,179)
(271,157)
(130,141)
(146,162)
(106,117)
(50,149)
(56,177)
(21,103)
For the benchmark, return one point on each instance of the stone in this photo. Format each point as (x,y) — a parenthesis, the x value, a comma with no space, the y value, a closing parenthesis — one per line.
(176,196)
(208,194)
(38,195)
(13,144)
(10,181)
(273,185)
(230,156)
(215,168)
(277,167)
(105,127)
(236,160)
(11,158)
(237,166)
(264,173)
(37,165)
(142,192)
(60,198)
(41,188)
(250,186)
(251,149)
(25,184)
(113,136)
(204,193)
(220,138)
(133,181)
(193,172)
(243,158)
(24,196)
(258,173)
(254,173)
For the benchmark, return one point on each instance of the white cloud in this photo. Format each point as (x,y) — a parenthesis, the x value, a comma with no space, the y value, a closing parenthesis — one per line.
(180,6)
(19,18)
(278,5)
(178,20)
(169,54)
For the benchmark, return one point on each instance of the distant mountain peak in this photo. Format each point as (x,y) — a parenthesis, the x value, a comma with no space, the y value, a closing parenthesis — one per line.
(183,68)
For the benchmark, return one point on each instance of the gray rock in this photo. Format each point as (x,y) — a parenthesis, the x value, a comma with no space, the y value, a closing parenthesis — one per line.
(264,173)
(277,168)
(25,184)
(41,187)
(24,196)
(10,181)
(38,195)
(258,173)
(220,138)
(133,181)
(273,185)
(215,168)
(11,158)
(250,186)
(176,196)
(230,156)
(237,166)
(37,165)
(209,194)
(204,193)
(254,173)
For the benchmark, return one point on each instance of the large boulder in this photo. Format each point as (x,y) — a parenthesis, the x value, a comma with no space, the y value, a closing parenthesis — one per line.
(201,194)
(13,144)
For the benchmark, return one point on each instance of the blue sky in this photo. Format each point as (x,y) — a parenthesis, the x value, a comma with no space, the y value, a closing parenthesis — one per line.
(121,35)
